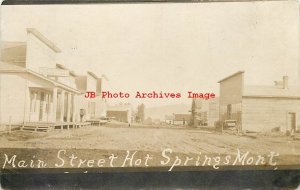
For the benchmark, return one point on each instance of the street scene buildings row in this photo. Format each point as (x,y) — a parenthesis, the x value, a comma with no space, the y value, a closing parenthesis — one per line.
(35,88)
(252,108)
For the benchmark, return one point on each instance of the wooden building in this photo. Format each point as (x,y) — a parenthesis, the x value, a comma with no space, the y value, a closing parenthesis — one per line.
(121,113)
(260,108)
(93,107)
(207,111)
(169,119)
(182,119)
(36,91)
(32,88)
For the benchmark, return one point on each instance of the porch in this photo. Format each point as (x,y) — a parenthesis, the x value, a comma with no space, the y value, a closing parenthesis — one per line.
(47,127)
(51,105)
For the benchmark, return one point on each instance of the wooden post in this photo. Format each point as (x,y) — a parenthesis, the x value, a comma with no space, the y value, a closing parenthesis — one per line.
(54,104)
(62,106)
(68,107)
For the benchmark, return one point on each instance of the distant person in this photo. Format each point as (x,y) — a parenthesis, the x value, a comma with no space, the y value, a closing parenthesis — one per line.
(128,124)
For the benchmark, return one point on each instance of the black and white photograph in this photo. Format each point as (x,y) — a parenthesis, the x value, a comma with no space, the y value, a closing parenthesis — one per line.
(150,86)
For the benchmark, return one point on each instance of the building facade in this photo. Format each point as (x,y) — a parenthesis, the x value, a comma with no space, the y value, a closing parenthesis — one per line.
(34,87)
(121,113)
(260,108)
(182,119)
(91,107)
(207,111)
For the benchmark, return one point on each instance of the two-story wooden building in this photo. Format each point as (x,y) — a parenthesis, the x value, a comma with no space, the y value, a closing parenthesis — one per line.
(91,107)
(260,108)
(36,91)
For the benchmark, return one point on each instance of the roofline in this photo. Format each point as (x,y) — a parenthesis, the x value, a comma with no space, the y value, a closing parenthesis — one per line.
(93,74)
(268,96)
(105,77)
(61,66)
(55,83)
(234,74)
(43,39)
(65,68)
(73,73)
(119,110)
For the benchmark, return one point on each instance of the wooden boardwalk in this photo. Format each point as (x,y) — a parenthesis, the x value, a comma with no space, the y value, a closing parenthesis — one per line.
(47,126)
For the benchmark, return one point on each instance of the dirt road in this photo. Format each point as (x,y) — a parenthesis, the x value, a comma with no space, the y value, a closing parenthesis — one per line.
(115,138)
(149,139)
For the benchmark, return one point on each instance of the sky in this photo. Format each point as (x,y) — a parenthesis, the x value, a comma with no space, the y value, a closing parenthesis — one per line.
(168,47)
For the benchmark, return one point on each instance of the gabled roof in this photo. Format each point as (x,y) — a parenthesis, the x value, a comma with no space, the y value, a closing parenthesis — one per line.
(271,92)
(43,39)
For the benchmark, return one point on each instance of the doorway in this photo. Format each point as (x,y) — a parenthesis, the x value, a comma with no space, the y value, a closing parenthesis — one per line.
(292,122)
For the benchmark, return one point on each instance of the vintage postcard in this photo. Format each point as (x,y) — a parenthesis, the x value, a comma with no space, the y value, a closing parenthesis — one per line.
(150,87)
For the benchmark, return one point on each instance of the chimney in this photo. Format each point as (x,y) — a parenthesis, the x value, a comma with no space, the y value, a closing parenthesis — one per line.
(285,82)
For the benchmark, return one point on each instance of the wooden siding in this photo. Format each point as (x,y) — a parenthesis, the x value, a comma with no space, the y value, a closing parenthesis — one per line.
(265,114)
(231,90)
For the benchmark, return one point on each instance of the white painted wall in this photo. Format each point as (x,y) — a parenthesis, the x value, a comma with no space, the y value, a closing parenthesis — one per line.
(265,114)
(13,90)
(91,83)
(69,81)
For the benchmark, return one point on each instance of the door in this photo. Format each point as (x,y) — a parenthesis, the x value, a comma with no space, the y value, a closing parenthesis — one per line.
(292,122)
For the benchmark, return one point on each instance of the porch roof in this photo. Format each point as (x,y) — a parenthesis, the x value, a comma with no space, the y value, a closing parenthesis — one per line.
(10,68)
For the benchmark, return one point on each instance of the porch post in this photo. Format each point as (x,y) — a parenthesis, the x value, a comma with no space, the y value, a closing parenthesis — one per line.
(69,107)
(54,104)
(27,106)
(74,108)
(62,105)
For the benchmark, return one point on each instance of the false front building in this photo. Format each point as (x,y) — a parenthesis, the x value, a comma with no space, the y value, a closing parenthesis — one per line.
(34,89)
(260,108)
(94,107)
(206,111)
(31,85)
